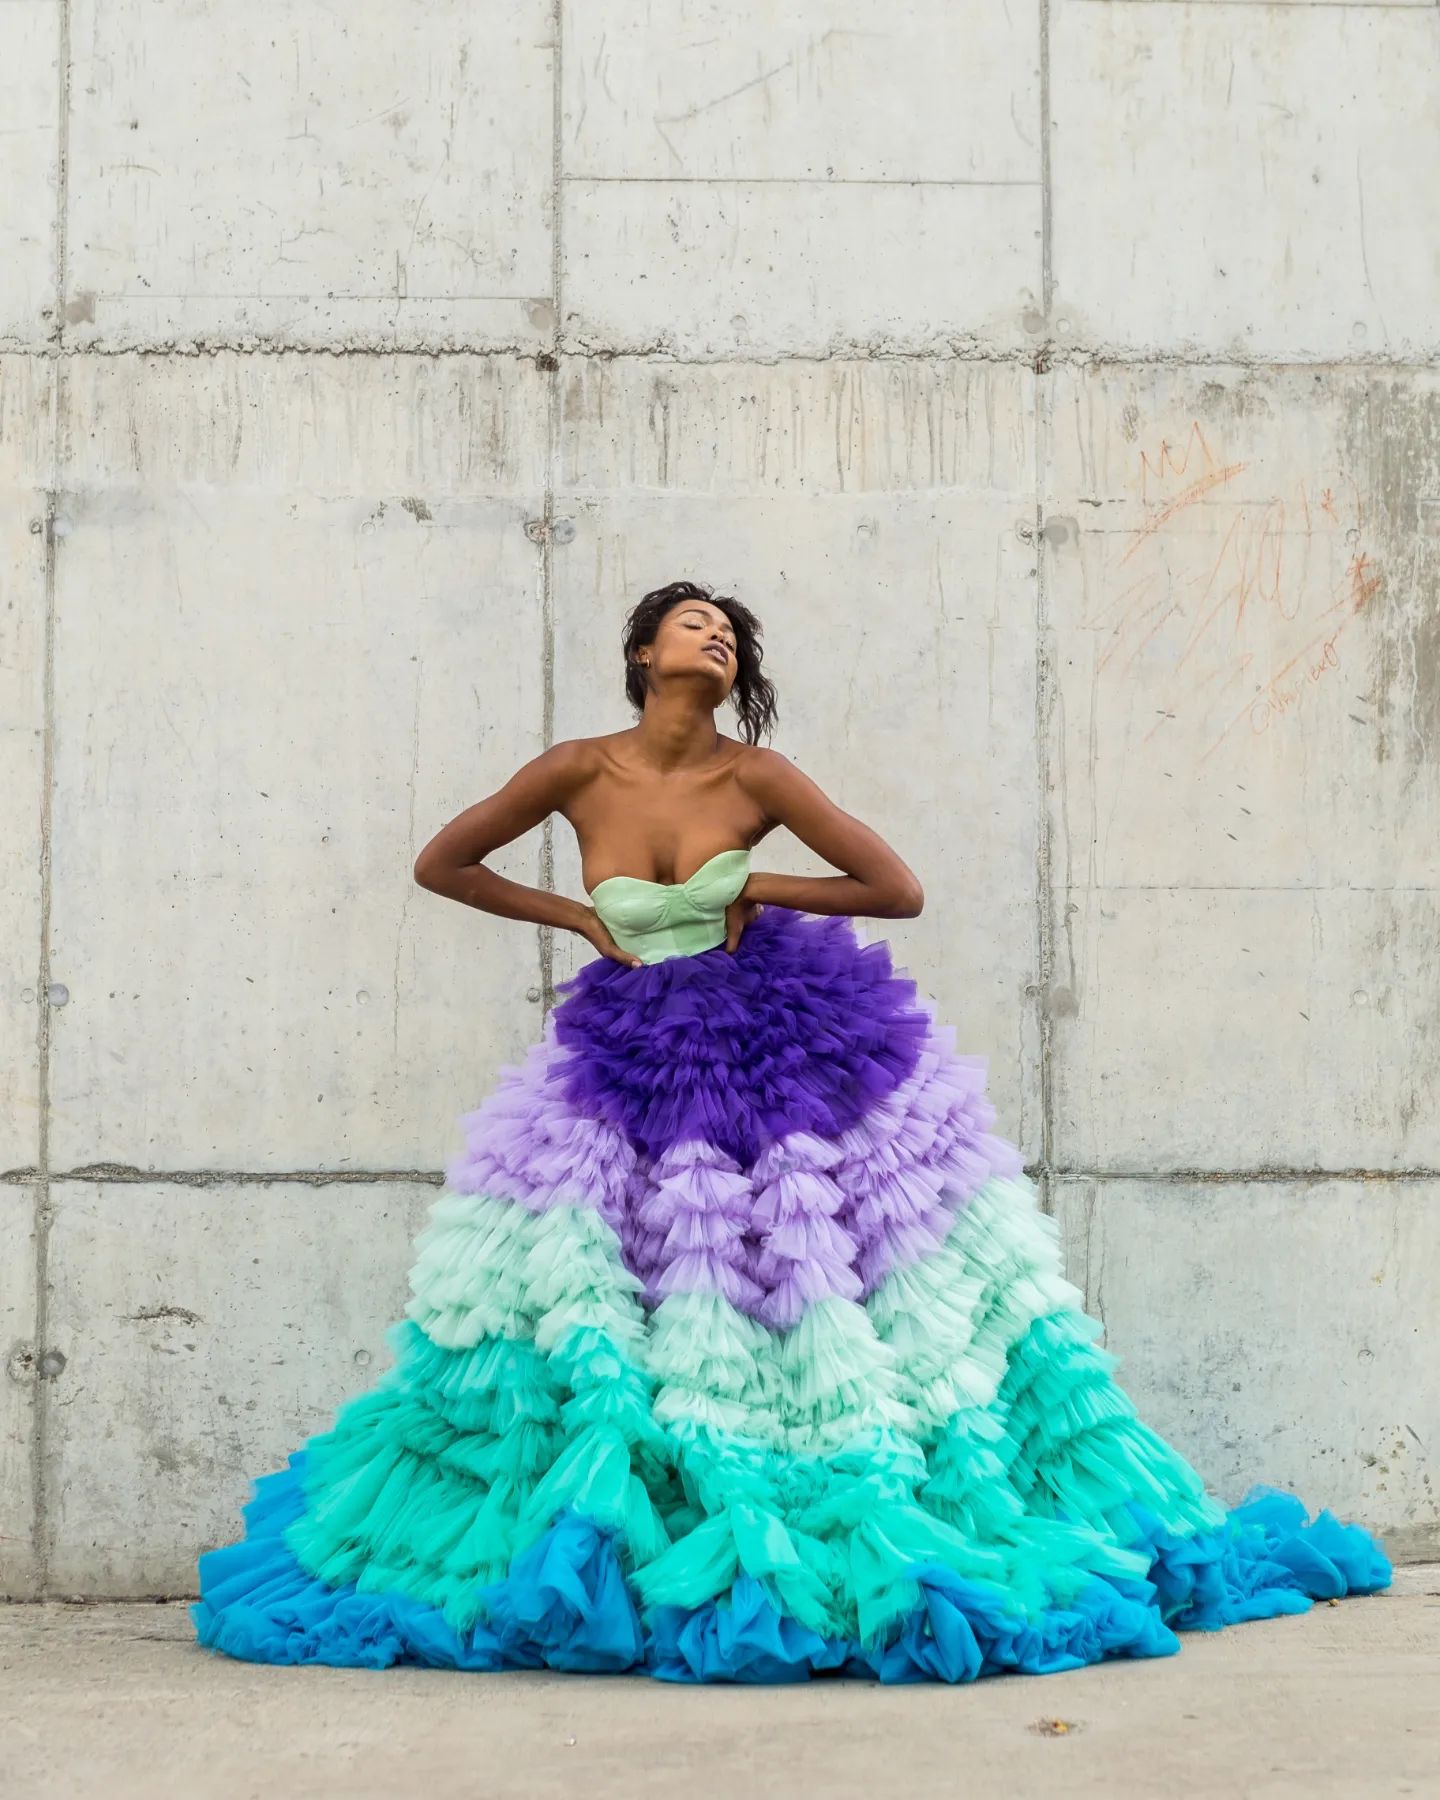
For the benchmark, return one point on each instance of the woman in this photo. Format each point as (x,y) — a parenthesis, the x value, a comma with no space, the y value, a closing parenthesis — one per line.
(738,1348)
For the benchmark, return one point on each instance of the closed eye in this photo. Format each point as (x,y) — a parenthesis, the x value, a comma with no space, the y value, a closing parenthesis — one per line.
(695,623)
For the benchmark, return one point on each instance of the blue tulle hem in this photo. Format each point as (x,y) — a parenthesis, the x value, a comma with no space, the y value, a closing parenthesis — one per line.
(565,1604)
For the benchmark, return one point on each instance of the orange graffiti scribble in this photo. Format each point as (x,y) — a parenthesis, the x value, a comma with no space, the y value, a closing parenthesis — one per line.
(1273,700)
(1276,701)
(1196,491)
(1154,469)
(1363,586)
(1172,462)
(1265,584)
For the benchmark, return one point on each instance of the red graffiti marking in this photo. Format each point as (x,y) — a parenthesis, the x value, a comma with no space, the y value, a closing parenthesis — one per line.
(1197,490)
(1200,630)
(1276,699)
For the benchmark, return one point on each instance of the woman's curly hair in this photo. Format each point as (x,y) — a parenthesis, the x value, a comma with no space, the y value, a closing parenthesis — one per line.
(752,695)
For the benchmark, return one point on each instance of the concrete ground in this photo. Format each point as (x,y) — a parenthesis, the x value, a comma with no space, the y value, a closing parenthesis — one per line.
(116,1700)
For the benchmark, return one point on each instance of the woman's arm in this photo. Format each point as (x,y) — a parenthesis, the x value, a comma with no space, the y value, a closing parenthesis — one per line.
(876,885)
(453,862)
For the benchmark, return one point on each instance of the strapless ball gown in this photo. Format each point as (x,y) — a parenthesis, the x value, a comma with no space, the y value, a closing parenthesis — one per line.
(739,1350)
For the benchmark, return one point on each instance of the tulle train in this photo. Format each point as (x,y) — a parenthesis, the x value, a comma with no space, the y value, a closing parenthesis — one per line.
(739,1349)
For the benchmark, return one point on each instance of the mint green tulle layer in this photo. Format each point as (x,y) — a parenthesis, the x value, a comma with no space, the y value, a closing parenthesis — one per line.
(964,1419)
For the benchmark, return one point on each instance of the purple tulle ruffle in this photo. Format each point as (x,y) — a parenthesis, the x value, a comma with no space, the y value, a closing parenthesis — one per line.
(801,1028)
(786,1039)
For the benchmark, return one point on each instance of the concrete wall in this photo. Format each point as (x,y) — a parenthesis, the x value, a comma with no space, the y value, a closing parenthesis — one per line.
(1059,382)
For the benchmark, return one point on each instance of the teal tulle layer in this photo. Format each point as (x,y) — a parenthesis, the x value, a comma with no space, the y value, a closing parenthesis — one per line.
(963,1418)
(957,1442)
(740,1349)
(566,1604)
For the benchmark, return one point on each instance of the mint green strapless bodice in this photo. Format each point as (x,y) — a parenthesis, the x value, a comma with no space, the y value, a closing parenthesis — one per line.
(656,919)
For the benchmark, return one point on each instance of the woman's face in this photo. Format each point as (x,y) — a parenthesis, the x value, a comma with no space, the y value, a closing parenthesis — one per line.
(695,638)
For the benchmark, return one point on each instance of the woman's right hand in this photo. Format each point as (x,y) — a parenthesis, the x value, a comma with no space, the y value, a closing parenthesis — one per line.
(593,929)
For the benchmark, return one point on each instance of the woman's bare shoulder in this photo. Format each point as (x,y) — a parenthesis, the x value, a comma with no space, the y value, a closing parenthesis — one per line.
(774,784)
(745,756)
(585,755)
(759,766)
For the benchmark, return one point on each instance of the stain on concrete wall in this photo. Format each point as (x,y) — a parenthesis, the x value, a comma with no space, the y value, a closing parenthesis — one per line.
(1056,380)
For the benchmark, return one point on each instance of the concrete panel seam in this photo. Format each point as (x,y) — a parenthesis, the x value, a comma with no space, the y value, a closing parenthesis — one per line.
(1272,1174)
(1044,847)
(829,181)
(62,174)
(1044,696)
(550,363)
(39,1420)
(119,1174)
(1044,353)
(1047,190)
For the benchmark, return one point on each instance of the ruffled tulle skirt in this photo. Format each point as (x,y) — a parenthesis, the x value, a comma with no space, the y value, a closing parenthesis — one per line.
(738,1349)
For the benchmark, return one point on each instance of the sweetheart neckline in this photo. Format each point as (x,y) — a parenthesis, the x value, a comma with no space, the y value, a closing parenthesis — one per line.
(640,881)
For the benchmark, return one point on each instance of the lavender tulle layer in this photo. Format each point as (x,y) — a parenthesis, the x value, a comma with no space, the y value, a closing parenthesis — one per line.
(739,1349)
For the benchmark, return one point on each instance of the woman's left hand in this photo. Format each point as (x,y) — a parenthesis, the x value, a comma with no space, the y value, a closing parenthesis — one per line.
(738,915)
